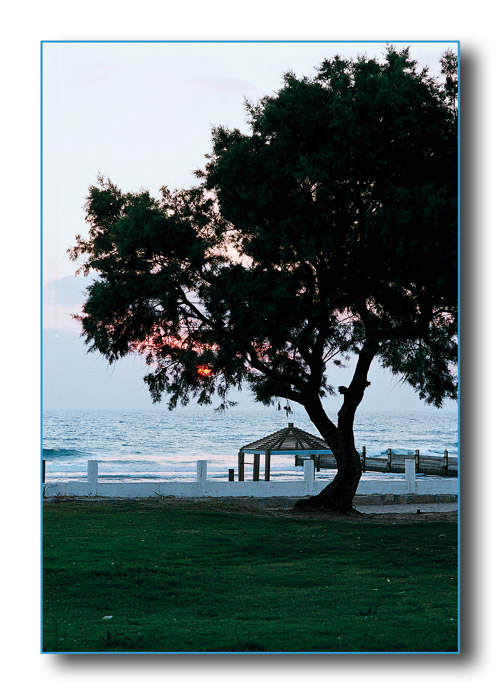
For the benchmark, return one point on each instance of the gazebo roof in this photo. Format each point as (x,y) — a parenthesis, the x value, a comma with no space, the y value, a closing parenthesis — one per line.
(288,441)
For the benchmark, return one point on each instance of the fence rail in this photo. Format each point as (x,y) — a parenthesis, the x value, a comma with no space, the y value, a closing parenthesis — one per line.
(201,486)
(446,464)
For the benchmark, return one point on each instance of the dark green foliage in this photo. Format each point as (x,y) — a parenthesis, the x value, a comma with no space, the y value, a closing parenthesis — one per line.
(347,188)
(191,578)
(341,201)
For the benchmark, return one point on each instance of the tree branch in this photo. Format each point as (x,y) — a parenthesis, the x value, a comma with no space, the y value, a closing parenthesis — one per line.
(286,390)
(354,393)
(197,313)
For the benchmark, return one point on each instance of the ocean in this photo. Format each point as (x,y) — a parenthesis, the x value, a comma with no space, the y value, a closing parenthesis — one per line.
(153,445)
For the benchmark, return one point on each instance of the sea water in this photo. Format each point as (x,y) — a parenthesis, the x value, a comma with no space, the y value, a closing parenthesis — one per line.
(158,444)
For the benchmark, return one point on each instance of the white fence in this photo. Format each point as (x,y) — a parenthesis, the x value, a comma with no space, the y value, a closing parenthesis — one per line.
(203,487)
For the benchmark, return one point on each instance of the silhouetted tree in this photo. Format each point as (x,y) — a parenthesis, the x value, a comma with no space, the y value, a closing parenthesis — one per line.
(327,231)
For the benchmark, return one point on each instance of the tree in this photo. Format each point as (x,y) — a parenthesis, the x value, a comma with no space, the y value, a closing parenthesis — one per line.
(327,232)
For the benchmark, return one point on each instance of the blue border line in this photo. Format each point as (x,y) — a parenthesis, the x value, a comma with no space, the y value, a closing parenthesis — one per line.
(383,41)
(458,363)
(265,41)
(41,347)
(250,653)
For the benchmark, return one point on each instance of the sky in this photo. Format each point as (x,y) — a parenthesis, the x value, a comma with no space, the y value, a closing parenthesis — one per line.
(141,114)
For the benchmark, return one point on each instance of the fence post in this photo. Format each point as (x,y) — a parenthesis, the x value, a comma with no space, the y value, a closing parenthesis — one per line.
(417,460)
(43,471)
(231,474)
(446,462)
(410,475)
(309,475)
(201,474)
(389,459)
(92,475)
(363,458)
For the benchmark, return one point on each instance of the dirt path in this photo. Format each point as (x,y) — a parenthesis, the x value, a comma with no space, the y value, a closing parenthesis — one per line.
(284,508)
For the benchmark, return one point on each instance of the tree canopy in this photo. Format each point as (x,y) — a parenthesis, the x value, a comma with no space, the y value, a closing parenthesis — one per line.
(329,227)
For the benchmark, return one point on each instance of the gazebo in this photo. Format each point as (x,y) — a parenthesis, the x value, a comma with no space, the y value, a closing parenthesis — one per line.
(287,441)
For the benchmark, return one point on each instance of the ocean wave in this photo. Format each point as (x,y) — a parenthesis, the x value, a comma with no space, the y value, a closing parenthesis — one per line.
(424,452)
(170,443)
(51,453)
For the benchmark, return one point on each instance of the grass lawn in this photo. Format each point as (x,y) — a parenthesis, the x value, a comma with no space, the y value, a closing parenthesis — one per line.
(195,577)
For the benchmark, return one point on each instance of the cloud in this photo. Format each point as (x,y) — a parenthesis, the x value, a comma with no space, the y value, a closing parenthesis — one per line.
(62,298)
(224,86)
(66,291)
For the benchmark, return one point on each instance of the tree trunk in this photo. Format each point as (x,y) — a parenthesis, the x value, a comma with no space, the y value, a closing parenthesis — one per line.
(339,494)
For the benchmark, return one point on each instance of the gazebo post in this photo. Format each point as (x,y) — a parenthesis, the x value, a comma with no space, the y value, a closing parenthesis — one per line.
(267,473)
(241,466)
(256,467)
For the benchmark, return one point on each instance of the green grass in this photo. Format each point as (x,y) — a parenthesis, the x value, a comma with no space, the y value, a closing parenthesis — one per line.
(187,577)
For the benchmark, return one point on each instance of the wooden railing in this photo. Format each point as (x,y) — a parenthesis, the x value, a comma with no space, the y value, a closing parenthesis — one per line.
(395,462)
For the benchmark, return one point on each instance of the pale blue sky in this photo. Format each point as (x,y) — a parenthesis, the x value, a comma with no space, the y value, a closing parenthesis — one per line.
(141,114)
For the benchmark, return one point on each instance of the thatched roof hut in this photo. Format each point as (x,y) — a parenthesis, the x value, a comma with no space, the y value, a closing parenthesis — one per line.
(288,441)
